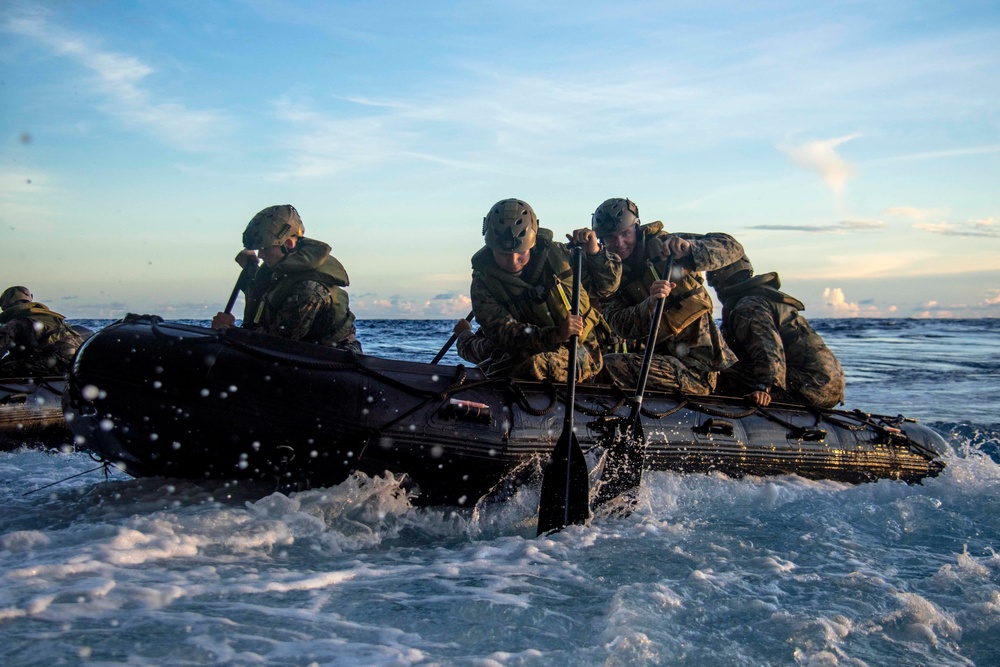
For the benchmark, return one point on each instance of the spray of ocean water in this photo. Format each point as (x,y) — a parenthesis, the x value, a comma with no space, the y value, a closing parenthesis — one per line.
(708,571)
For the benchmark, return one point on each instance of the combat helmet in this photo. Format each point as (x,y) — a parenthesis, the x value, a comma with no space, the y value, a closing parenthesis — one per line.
(14,295)
(510,226)
(613,216)
(272,226)
(731,273)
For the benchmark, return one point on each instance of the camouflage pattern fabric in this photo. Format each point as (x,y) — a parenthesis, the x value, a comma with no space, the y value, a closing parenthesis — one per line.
(519,341)
(778,348)
(666,373)
(552,365)
(307,314)
(474,347)
(301,298)
(699,346)
(36,341)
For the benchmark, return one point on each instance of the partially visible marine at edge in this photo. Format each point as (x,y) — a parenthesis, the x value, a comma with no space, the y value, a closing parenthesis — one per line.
(34,341)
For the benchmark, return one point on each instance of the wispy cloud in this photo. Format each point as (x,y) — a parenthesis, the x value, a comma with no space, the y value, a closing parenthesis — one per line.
(953,152)
(842,226)
(821,157)
(986,227)
(119,78)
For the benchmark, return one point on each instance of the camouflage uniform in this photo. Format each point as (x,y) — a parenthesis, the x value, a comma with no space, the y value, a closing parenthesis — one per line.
(689,351)
(778,351)
(37,341)
(301,298)
(520,315)
(474,347)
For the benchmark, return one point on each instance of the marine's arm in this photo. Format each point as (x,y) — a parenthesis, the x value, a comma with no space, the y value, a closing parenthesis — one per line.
(602,270)
(752,324)
(631,322)
(708,252)
(505,332)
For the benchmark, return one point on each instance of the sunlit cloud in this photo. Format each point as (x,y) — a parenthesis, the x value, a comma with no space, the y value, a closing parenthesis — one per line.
(820,156)
(447,306)
(993,297)
(843,226)
(835,304)
(119,79)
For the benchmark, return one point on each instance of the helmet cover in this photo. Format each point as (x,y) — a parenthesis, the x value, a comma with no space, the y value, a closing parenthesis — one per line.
(614,215)
(511,226)
(14,295)
(272,226)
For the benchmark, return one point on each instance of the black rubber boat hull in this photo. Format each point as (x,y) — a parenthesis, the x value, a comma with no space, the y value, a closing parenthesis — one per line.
(159,399)
(31,413)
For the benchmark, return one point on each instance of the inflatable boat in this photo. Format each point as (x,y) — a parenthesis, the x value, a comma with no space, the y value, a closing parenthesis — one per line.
(31,412)
(162,399)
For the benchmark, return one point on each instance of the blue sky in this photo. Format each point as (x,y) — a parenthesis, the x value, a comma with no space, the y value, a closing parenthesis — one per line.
(852,147)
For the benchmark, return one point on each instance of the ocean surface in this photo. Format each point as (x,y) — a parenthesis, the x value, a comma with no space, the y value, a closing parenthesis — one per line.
(708,571)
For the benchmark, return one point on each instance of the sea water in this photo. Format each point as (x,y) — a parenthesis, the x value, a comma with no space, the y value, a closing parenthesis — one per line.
(708,571)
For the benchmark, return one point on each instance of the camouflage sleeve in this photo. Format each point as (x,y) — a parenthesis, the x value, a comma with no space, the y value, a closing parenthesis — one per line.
(602,272)
(712,251)
(505,332)
(627,321)
(297,314)
(752,324)
(474,347)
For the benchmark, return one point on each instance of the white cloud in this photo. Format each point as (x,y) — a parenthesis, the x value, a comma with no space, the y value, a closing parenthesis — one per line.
(820,156)
(993,297)
(835,304)
(119,78)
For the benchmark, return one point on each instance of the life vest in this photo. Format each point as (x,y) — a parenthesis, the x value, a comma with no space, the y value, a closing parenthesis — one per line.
(311,260)
(534,296)
(687,302)
(48,328)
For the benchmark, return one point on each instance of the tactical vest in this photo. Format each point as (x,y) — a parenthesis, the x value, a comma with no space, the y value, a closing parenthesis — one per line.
(687,302)
(271,288)
(49,328)
(533,297)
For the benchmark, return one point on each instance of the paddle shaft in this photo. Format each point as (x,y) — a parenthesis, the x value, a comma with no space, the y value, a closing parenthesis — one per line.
(451,341)
(565,494)
(571,368)
(240,283)
(647,358)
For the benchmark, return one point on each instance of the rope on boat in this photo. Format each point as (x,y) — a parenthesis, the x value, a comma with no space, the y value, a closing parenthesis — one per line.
(103,465)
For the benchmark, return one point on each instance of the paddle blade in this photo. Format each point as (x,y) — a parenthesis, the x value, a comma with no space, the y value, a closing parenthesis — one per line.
(623,465)
(565,495)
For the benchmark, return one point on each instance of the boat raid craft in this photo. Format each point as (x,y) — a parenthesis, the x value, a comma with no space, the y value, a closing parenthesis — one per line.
(173,400)
(31,412)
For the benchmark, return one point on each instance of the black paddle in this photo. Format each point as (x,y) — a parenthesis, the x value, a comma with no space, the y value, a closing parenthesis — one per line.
(451,341)
(627,451)
(565,497)
(240,284)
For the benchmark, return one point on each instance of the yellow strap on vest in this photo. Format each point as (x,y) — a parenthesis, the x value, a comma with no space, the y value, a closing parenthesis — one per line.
(562,293)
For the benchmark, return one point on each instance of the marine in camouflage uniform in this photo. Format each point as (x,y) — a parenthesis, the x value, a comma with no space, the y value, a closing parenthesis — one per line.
(516,283)
(690,351)
(298,293)
(36,340)
(473,346)
(779,352)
